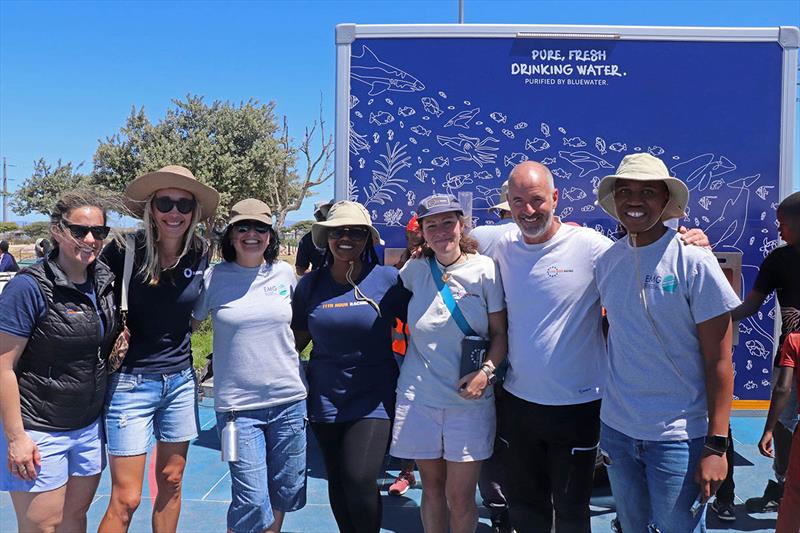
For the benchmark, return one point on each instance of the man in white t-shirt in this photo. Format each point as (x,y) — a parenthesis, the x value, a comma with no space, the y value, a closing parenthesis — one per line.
(489,235)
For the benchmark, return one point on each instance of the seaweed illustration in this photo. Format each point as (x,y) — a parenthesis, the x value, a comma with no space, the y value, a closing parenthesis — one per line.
(352,189)
(385,183)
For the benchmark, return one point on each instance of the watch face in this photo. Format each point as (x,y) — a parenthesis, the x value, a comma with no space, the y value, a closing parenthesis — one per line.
(718,442)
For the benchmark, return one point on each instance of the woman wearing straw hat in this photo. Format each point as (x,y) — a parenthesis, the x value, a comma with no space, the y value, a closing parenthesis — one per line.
(347,307)
(154,392)
(257,382)
(57,325)
(445,415)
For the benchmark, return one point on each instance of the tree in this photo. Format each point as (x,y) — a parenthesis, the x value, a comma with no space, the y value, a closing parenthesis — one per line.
(8,227)
(39,192)
(237,149)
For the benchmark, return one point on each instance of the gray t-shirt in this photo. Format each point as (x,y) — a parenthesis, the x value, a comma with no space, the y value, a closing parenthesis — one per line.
(655,388)
(432,363)
(255,361)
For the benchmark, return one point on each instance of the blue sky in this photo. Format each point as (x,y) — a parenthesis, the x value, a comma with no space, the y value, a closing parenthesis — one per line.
(71,71)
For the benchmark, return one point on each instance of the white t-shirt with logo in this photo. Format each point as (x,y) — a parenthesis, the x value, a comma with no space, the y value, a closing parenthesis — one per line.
(655,388)
(556,349)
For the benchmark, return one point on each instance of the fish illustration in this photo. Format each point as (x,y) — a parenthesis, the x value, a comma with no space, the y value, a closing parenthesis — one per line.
(381,118)
(573,194)
(420,130)
(431,106)
(497,172)
(562,130)
(463,118)
(587,208)
(514,159)
(389,101)
(567,211)
(545,129)
(442,94)
(763,191)
(716,184)
(440,162)
(472,148)
(655,150)
(498,117)
(756,349)
(367,68)
(520,125)
(585,161)
(489,195)
(508,133)
(705,201)
(406,111)
(548,160)
(488,130)
(353,101)
(452,183)
(412,140)
(482,175)
(726,231)
(357,141)
(359,114)
(537,145)
(574,142)
(618,147)
(561,173)
(699,171)
(422,173)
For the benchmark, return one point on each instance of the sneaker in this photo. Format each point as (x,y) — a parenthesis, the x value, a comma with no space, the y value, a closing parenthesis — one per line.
(404,481)
(501,523)
(724,510)
(768,502)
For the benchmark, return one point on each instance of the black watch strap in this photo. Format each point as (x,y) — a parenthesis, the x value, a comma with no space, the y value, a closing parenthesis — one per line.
(717,443)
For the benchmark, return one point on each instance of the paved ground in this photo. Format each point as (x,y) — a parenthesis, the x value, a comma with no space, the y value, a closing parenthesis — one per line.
(207,493)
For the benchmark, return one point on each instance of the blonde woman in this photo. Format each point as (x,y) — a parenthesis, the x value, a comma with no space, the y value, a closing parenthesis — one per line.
(154,393)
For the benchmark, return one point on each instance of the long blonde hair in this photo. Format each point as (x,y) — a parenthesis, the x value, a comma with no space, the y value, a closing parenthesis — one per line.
(151,268)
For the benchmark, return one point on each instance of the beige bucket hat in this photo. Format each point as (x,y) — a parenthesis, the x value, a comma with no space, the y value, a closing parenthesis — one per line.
(175,177)
(251,209)
(644,167)
(344,213)
(503,205)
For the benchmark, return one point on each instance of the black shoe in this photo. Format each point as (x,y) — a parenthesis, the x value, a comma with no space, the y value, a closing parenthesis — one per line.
(501,523)
(724,510)
(769,501)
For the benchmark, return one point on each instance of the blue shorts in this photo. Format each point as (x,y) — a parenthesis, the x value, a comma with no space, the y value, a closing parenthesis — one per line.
(64,454)
(271,470)
(141,406)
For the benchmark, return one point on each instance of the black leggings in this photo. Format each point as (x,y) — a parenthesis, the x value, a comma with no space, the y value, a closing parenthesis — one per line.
(353,454)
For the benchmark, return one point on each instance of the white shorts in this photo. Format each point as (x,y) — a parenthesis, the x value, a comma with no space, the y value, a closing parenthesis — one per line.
(456,434)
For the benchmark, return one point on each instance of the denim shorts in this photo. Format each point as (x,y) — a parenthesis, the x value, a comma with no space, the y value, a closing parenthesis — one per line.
(141,406)
(78,452)
(271,470)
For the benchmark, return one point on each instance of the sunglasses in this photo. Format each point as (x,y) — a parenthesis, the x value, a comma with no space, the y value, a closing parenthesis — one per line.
(79,232)
(165,204)
(244,227)
(355,233)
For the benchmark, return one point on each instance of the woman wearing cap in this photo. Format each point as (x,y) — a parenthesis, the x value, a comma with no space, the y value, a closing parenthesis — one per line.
(444,421)
(257,381)
(57,325)
(154,392)
(347,307)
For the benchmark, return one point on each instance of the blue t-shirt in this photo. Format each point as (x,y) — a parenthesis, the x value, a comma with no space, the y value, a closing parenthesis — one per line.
(352,373)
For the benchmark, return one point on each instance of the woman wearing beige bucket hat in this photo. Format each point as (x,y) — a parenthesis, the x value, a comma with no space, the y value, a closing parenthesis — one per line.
(668,308)
(154,392)
(347,307)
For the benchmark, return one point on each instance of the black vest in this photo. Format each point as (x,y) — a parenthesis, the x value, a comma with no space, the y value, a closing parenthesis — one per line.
(62,371)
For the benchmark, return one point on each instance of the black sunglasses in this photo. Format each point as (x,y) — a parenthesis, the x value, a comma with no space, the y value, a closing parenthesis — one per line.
(356,233)
(244,227)
(165,204)
(79,231)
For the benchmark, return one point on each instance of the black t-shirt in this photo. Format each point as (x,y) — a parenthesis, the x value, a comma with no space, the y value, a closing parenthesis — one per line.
(780,272)
(159,316)
(307,253)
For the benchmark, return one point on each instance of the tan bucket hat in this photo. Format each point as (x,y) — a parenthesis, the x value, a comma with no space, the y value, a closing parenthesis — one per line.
(173,176)
(503,205)
(344,213)
(644,167)
(251,209)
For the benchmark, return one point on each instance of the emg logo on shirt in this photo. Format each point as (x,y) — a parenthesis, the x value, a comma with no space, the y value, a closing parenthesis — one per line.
(555,270)
(668,283)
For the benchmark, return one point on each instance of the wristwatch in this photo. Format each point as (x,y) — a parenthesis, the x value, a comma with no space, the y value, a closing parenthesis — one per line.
(717,443)
(486,368)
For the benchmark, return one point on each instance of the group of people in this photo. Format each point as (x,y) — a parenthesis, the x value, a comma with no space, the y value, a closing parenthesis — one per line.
(529,297)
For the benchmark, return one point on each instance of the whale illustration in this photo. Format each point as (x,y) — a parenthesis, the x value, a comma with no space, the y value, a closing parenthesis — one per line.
(380,76)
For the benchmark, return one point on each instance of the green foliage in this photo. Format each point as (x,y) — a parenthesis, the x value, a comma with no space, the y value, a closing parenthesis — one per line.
(39,192)
(302,227)
(6,227)
(36,230)
(202,344)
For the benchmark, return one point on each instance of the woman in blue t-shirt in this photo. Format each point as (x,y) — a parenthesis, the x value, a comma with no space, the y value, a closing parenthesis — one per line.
(347,308)
(154,392)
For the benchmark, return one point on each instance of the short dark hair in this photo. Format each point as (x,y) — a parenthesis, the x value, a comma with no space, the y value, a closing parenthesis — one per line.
(75,199)
(467,244)
(270,254)
(4,246)
(790,206)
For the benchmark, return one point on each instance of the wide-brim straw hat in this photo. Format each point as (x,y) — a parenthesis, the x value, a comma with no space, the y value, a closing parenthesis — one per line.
(170,177)
(503,205)
(251,209)
(644,167)
(344,213)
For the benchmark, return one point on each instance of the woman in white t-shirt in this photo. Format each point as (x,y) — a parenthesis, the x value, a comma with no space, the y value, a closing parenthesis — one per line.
(444,421)
(257,379)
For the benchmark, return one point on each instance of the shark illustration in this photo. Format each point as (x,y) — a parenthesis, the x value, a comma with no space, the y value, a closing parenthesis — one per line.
(380,76)
(585,161)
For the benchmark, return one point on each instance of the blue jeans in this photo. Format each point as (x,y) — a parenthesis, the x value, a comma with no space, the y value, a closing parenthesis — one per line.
(653,482)
(271,470)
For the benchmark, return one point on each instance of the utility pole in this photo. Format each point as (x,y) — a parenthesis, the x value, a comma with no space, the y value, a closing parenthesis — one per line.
(5,192)
(461,11)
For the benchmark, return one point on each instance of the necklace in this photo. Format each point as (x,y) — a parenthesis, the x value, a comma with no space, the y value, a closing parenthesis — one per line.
(445,273)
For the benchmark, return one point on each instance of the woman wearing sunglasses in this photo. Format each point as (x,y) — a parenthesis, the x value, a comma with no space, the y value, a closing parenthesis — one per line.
(347,307)
(154,392)
(257,382)
(57,325)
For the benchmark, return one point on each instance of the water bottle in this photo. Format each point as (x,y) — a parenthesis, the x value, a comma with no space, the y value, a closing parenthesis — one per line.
(229,440)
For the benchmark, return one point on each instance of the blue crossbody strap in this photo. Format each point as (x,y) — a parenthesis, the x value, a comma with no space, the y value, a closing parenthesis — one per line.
(449,301)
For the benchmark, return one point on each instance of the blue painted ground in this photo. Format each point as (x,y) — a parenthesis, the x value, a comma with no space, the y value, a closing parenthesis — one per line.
(206,492)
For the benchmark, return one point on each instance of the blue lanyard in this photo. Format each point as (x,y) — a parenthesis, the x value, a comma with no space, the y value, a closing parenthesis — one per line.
(449,301)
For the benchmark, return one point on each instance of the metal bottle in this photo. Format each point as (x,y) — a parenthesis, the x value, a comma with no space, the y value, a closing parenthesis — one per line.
(229,440)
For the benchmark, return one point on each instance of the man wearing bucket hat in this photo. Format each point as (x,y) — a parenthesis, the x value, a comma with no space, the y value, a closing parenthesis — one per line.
(347,307)
(668,308)
(309,255)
